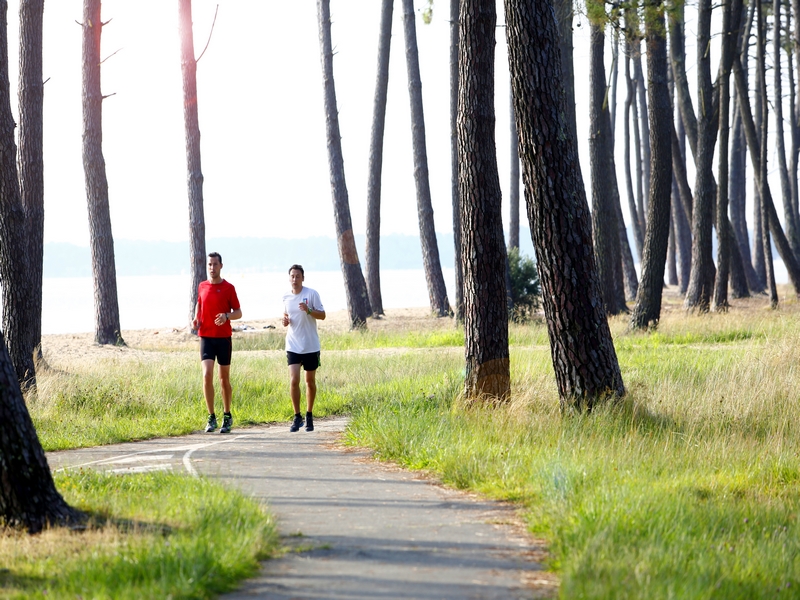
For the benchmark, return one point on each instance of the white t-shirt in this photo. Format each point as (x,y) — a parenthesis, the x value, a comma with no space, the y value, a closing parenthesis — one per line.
(301,336)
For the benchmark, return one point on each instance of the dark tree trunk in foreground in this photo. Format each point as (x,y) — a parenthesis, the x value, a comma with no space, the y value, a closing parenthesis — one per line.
(437,292)
(584,359)
(194,173)
(28,496)
(701,280)
(647,311)
(455,196)
(355,287)
(513,184)
(373,247)
(605,232)
(104,272)
(723,238)
(31,162)
(482,247)
(565,14)
(14,256)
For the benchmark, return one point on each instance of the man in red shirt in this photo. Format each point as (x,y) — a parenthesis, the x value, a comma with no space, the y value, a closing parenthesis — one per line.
(217,306)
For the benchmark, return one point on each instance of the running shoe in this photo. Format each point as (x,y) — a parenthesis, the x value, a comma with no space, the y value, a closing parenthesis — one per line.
(309,422)
(297,423)
(227,423)
(212,423)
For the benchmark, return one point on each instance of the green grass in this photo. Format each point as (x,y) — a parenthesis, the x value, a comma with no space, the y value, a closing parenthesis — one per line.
(150,536)
(688,488)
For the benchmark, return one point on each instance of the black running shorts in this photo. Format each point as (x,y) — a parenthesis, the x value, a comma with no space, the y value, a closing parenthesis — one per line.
(309,361)
(218,349)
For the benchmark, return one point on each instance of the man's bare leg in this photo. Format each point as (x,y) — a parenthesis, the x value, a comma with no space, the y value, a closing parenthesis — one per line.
(294,387)
(208,384)
(311,390)
(225,386)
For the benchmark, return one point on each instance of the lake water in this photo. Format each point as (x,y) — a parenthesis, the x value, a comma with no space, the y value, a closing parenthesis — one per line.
(153,302)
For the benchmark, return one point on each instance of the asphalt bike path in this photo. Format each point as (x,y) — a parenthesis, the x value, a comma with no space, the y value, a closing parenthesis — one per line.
(355,528)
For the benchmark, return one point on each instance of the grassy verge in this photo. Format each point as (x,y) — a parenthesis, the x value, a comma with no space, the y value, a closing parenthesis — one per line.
(151,536)
(689,488)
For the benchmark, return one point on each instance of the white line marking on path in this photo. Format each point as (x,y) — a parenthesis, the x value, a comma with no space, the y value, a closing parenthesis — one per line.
(142,469)
(186,457)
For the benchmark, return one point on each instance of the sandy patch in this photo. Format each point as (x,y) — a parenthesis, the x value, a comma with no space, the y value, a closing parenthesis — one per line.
(141,343)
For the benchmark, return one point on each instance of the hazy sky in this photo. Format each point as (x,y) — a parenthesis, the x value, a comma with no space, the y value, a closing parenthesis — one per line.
(261,117)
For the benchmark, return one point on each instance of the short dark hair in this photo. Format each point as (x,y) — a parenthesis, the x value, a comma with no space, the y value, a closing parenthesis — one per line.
(216,255)
(297,268)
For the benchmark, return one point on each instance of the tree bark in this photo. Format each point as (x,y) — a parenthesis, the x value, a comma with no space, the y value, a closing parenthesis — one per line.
(762,163)
(723,240)
(358,306)
(104,273)
(584,359)
(373,246)
(601,152)
(636,224)
(513,188)
(437,292)
(456,197)
(701,280)
(31,165)
(565,14)
(647,311)
(28,496)
(789,213)
(14,245)
(738,197)
(483,247)
(754,148)
(194,172)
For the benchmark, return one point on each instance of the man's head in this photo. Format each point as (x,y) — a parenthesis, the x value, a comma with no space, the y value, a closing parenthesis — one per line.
(214,266)
(296,277)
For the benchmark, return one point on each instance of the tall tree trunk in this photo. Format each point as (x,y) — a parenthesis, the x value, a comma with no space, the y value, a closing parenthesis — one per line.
(584,359)
(701,280)
(683,238)
(672,262)
(483,248)
(768,209)
(106,305)
(789,213)
(647,311)
(638,76)
(513,188)
(355,287)
(723,239)
(677,50)
(636,224)
(601,151)
(31,164)
(28,496)
(373,247)
(629,278)
(794,62)
(194,172)
(614,79)
(565,13)
(762,164)
(456,196)
(738,196)
(437,292)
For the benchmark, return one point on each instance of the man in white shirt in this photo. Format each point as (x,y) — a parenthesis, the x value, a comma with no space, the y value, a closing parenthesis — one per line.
(302,308)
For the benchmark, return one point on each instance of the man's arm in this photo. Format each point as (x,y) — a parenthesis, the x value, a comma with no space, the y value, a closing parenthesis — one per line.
(319,315)
(196,320)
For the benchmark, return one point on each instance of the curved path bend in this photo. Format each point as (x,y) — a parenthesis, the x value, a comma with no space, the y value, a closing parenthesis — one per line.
(357,529)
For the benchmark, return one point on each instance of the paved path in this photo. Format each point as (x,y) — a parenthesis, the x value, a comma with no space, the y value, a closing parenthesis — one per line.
(359,529)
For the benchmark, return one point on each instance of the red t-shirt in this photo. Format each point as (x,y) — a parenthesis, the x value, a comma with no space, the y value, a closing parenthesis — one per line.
(215,298)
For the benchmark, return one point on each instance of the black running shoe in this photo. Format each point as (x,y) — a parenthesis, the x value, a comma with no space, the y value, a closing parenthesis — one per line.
(212,423)
(297,423)
(227,423)
(309,422)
